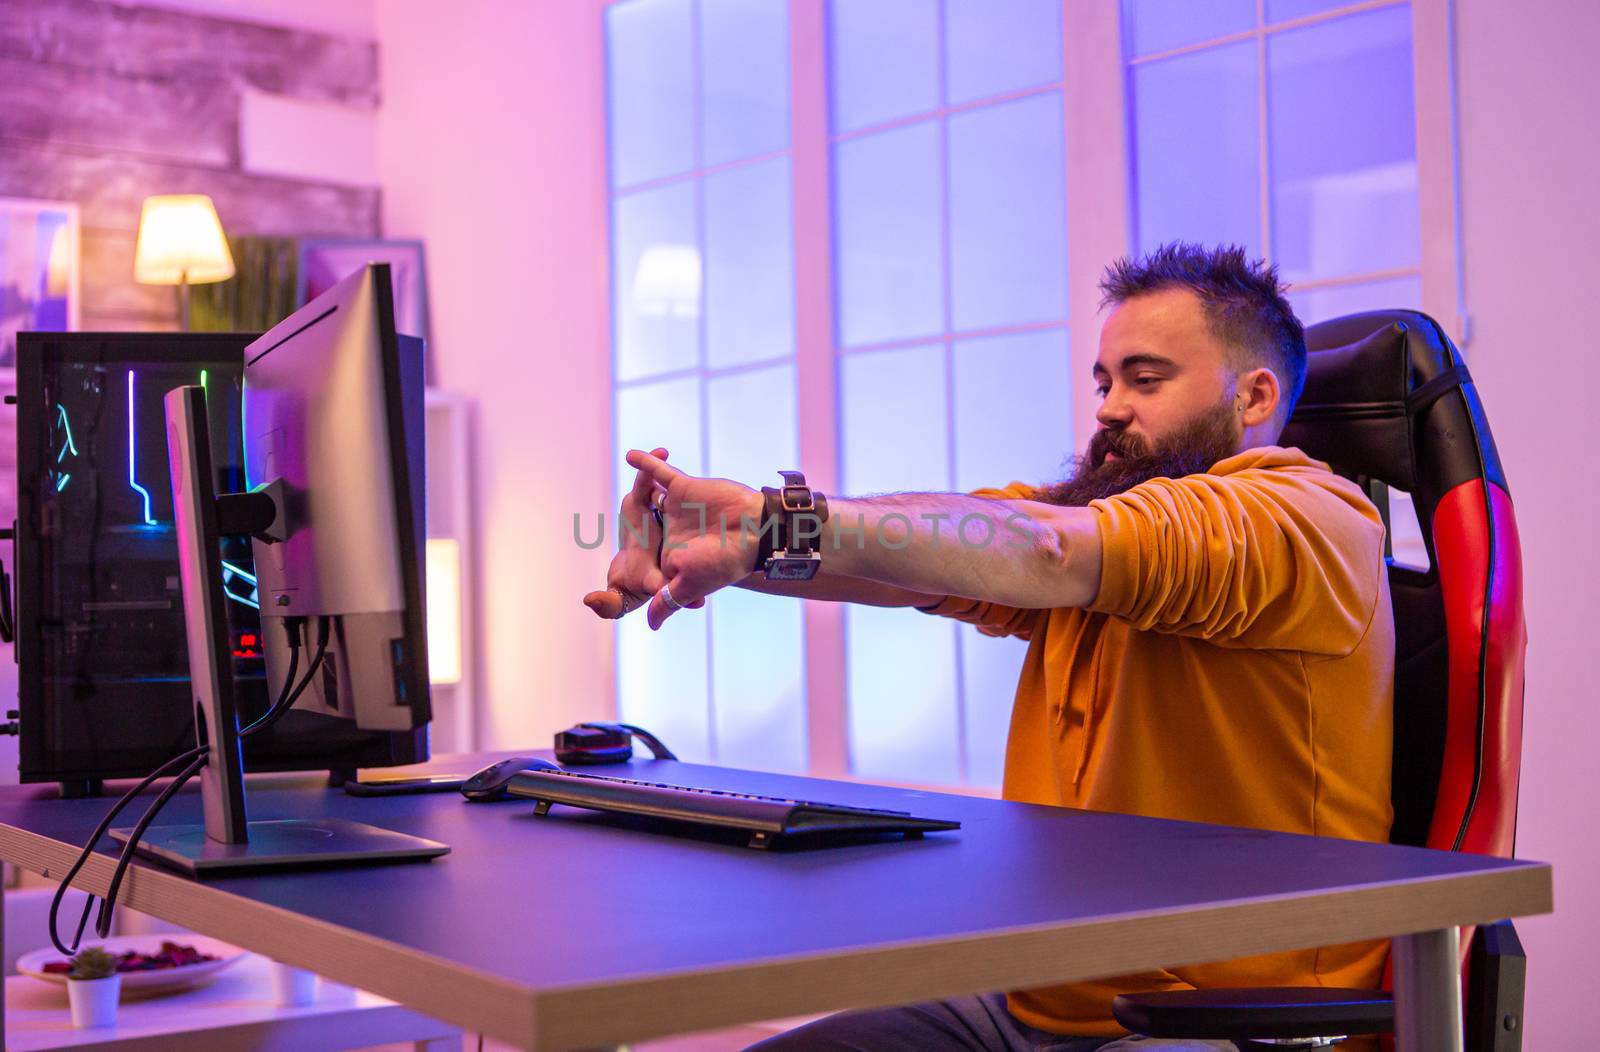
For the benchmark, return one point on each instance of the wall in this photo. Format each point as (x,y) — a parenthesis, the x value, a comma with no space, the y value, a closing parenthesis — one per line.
(1527,85)
(345,18)
(106,103)
(491,146)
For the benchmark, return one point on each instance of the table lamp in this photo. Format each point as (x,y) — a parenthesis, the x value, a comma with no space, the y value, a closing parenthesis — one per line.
(181,243)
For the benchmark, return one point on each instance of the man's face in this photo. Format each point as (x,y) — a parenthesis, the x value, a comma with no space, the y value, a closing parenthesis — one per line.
(1167,399)
(1159,370)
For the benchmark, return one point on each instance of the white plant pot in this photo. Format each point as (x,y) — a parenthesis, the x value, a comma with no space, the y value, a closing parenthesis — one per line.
(293,987)
(94,1001)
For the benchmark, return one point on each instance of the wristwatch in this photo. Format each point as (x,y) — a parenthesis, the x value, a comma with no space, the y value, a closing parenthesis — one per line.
(791,527)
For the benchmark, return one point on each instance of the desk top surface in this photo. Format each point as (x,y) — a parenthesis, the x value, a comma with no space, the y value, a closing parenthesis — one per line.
(577,901)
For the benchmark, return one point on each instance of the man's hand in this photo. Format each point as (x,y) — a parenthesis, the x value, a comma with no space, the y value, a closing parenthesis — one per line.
(634,575)
(707,544)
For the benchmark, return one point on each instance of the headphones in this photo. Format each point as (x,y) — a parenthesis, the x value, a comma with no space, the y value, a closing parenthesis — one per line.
(605,742)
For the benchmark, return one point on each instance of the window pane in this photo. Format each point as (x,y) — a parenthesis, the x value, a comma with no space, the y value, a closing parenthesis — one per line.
(1154,26)
(1285,10)
(676,655)
(990,669)
(1008,233)
(1314,305)
(745,56)
(1344,146)
(894,421)
(902,696)
(757,646)
(1197,172)
(888,277)
(650,78)
(664,414)
(752,426)
(885,60)
(1013,409)
(656,282)
(1001,45)
(749,264)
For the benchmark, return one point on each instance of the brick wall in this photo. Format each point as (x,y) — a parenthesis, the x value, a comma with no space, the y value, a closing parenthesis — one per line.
(105,103)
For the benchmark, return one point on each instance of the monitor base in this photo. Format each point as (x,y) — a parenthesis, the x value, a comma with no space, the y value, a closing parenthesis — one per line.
(312,843)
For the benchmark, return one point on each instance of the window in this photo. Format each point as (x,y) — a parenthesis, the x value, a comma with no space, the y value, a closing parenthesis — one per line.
(1289,127)
(951,293)
(703,342)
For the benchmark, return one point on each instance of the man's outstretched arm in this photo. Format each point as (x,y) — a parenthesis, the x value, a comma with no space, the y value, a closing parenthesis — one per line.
(833,588)
(1019,553)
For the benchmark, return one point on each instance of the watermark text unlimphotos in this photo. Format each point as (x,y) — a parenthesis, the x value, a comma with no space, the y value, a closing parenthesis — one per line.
(893,530)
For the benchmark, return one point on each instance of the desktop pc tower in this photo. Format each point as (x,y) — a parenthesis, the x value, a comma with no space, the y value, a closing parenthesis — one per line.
(104,686)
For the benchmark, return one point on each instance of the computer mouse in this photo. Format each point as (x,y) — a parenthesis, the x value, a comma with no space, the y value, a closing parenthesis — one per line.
(490,783)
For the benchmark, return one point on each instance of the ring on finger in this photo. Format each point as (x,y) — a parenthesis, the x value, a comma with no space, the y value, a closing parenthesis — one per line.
(666,597)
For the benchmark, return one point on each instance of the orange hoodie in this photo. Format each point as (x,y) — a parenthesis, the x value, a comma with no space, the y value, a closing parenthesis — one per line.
(1237,667)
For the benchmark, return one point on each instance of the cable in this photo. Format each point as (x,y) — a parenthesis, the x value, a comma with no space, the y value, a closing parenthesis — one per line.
(288,680)
(286,700)
(108,904)
(276,713)
(88,849)
(196,758)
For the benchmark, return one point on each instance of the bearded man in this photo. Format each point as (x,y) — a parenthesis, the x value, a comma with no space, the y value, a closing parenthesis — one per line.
(1208,618)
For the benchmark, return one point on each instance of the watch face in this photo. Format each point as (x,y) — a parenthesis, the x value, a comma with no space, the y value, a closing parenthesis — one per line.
(792,569)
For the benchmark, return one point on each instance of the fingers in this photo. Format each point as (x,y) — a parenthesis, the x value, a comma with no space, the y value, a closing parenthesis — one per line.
(606,604)
(678,594)
(643,484)
(614,603)
(660,472)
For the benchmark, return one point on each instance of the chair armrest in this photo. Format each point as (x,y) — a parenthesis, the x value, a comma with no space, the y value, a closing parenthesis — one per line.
(1256,1012)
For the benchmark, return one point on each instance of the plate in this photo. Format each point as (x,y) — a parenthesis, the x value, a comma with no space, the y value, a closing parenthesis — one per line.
(160,979)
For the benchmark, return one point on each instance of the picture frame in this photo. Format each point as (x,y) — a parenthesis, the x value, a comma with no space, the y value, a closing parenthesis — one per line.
(324,262)
(40,271)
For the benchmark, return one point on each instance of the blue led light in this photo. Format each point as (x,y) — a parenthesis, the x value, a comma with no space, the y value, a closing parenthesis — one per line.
(132,477)
(229,572)
(241,600)
(66,425)
(61,483)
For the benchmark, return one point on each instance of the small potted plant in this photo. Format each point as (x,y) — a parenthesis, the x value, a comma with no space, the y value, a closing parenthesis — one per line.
(93,987)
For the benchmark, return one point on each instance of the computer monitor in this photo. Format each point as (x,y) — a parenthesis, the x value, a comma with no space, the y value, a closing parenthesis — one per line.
(337,519)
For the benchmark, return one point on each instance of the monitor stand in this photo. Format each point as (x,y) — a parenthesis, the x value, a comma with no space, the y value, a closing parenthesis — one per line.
(226,841)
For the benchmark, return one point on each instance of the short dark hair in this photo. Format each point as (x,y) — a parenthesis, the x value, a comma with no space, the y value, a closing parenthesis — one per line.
(1243,301)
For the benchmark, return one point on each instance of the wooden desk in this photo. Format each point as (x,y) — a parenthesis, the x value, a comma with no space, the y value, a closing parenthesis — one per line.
(581,930)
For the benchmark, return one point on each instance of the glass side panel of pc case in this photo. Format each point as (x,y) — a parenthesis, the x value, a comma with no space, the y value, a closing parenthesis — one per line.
(104,683)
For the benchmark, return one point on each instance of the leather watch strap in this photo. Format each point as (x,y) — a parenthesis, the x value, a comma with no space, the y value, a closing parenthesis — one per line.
(782,506)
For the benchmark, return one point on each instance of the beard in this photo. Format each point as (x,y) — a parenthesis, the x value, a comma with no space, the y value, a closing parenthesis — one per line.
(1192,449)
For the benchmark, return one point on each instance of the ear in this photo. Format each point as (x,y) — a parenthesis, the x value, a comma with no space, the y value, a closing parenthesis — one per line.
(1256,397)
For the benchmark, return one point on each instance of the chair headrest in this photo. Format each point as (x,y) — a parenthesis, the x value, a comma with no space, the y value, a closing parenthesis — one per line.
(1388,397)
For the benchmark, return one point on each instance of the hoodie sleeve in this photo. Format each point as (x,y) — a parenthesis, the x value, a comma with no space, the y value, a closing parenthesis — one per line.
(1288,558)
(992,619)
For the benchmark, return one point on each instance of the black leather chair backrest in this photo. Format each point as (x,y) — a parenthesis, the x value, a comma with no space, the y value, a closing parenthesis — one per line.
(1388,398)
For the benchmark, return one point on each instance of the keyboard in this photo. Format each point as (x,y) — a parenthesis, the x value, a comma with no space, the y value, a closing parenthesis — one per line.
(766,818)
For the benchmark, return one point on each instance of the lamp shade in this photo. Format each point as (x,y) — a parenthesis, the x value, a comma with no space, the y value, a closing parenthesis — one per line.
(180,239)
